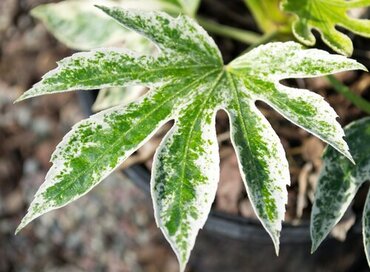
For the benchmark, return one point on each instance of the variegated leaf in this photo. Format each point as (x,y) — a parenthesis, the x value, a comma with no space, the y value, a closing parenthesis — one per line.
(338,183)
(188,83)
(185,46)
(181,39)
(324,16)
(96,146)
(186,171)
(81,26)
(366,223)
(109,68)
(268,65)
(261,157)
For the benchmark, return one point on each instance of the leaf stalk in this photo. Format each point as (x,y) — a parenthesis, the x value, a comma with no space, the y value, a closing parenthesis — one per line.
(358,101)
(244,36)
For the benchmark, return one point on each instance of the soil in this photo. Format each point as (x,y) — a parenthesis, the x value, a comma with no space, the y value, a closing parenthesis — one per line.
(68,239)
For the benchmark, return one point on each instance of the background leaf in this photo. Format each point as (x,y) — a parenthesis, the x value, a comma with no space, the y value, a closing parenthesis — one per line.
(324,16)
(189,7)
(338,183)
(110,97)
(80,25)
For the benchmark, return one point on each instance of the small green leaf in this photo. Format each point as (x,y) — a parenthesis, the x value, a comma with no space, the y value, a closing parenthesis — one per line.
(268,15)
(188,83)
(324,16)
(339,181)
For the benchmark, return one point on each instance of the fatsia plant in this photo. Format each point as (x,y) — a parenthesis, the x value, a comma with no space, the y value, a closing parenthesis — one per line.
(188,83)
(339,182)
(325,16)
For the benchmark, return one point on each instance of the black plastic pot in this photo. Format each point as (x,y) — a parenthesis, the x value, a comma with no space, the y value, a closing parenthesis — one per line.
(231,243)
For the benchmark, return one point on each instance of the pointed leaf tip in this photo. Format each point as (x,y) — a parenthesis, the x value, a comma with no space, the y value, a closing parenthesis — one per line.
(315,245)
(103,8)
(277,245)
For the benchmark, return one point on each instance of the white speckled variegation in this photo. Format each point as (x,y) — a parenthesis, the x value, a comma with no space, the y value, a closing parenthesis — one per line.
(186,171)
(338,183)
(188,83)
(268,64)
(261,158)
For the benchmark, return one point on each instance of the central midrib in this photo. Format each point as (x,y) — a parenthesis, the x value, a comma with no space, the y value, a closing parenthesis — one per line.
(186,147)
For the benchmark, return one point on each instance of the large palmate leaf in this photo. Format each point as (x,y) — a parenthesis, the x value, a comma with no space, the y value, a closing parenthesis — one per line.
(188,83)
(338,183)
(324,16)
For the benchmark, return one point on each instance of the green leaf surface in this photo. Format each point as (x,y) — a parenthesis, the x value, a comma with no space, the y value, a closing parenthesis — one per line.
(96,146)
(186,170)
(261,157)
(188,83)
(366,222)
(181,39)
(338,183)
(109,68)
(325,16)
(268,15)
(267,65)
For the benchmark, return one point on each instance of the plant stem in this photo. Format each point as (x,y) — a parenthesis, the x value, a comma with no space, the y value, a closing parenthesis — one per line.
(244,36)
(358,101)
